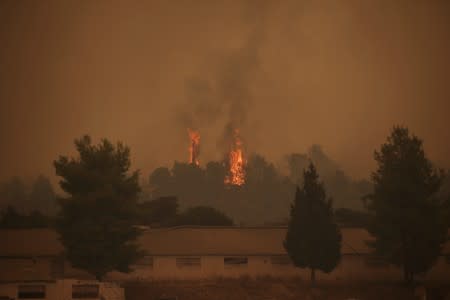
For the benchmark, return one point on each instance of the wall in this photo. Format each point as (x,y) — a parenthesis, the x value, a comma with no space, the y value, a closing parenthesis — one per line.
(62,289)
(41,268)
(351,267)
(52,289)
(8,290)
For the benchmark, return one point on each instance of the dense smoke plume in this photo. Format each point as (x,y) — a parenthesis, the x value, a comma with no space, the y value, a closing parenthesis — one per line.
(223,98)
(335,73)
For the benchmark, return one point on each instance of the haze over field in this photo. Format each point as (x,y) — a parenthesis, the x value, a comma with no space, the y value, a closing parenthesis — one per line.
(289,74)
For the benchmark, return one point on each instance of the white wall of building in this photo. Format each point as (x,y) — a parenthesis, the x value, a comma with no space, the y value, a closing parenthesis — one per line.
(62,289)
(351,267)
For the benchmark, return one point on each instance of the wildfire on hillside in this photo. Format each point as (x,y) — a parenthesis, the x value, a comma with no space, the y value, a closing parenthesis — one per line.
(194,146)
(236,161)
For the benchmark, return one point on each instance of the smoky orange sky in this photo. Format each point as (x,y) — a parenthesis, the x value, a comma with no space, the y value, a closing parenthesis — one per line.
(287,73)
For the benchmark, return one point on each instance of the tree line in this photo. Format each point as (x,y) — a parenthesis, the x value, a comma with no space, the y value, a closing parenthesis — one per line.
(164,212)
(25,206)
(406,210)
(267,191)
(263,199)
(26,198)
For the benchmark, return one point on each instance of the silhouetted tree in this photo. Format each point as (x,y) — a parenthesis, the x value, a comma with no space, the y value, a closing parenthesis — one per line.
(214,175)
(406,217)
(313,240)
(162,211)
(297,163)
(96,221)
(10,218)
(444,196)
(324,164)
(189,183)
(161,182)
(446,211)
(15,193)
(42,197)
(265,192)
(204,216)
(259,170)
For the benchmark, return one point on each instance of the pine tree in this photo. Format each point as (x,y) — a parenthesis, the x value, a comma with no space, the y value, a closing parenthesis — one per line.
(407,222)
(96,221)
(313,240)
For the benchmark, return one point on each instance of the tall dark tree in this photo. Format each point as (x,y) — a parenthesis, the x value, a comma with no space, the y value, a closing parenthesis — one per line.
(96,221)
(406,223)
(313,240)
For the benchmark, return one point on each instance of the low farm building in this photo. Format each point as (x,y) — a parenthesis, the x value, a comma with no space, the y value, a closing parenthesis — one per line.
(205,252)
(32,260)
(32,267)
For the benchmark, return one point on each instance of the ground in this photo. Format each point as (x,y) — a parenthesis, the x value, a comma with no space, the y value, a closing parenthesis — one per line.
(276,289)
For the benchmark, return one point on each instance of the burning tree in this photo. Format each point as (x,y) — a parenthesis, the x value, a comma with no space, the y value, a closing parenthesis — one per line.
(194,147)
(236,162)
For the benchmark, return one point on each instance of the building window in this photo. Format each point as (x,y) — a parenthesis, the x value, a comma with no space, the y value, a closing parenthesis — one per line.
(85,291)
(376,262)
(280,260)
(188,262)
(235,261)
(31,292)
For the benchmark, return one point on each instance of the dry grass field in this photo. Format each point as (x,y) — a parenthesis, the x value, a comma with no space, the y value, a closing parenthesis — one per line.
(278,289)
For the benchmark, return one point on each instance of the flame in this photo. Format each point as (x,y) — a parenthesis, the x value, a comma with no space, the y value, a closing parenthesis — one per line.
(194,147)
(236,175)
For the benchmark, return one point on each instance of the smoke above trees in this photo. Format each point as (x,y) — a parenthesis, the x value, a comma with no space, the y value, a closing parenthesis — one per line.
(263,199)
(220,100)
